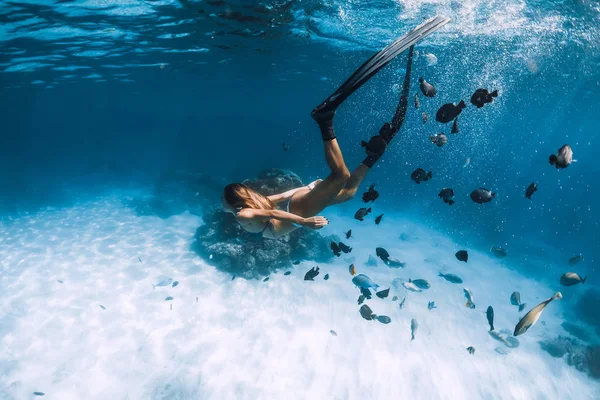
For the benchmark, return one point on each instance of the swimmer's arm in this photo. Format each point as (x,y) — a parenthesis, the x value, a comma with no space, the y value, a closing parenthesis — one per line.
(265,215)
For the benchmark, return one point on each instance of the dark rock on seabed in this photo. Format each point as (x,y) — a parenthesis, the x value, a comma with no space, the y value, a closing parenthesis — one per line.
(583,358)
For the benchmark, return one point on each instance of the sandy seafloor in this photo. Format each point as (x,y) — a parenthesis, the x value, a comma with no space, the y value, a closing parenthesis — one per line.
(253,339)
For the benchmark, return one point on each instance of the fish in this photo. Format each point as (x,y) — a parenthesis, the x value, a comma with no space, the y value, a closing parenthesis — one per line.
(414,325)
(366,312)
(39,393)
(575,260)
(266,279)
(424,117)
(361,299)
(563,158)
(370,195)
(196,299)
(383,293)
(431,305)
(462,255)
(430,58)
(439,139)
(447,195)
(427,88)
(401,304)
(515,300)
(102,307)
(499,337)
(449,111)
(233,277)
(334,333)
(395,298)
(482,97)
(326,277)
(419,175)
(469,296)
(421,283)
(361,213)
(482,195)
(59,281)
(417,104)
(384,319)
(498,251)
(311,274)
(410,286)
(467,162)
(352,269)
(336,249)
(175,284)
(531,189)
(287,273)
(471,350)
(139,259)
(296,262)
(364,282)
(285,146)
(366,292)
(378,219)
(533,315)
(382,253)
(450,278)
(455,126)
(163,282)
(571,278)
(344,248)
(489,313)
(349,234)
(168,298)
(394,263)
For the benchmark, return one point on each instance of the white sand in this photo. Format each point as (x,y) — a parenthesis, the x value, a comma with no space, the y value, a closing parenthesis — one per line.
(254,339)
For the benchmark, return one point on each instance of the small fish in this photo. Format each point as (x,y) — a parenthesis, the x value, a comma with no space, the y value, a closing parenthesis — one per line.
(175,284)
(490,317)
(287,273)
(395,298)
(451,278)
(352,269)
(421,283)
(334,333)
(378,219)
(469,296)
(394,263)
(59,281)
(414,325)
(424,117)
(364,282)
(462,255)
(266,279)
(366,312)
(417,104)
(349,234)
(449,111)
(344,248)
(336,249)
(383,293)
(361,213)
(285,146)
(575,260)
(326,277)
(533,315)
(382,253)
(233,277)
(515,300)
(370,195)
(498,251)
(571,278)
(39,393)
(427,88)
(482,195)
(455,126)
(164,282)
(401,304)
(366,292)
(531,189)
(139,259)
(384,319)
(447,195)
(419,175)
(482,97)
(311,274)
(439,139)
(467,162)
(431,305)
(361,299)
(102,307)
(168,298)
(471,350)
(563,158)
(296,262)
(196,299)
(410,286)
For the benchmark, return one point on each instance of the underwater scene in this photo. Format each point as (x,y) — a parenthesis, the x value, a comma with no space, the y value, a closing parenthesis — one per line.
(299,199)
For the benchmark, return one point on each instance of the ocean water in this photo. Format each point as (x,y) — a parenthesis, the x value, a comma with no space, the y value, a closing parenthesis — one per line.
(102,100)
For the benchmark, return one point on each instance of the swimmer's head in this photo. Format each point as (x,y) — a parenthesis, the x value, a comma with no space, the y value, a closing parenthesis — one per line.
(237,196)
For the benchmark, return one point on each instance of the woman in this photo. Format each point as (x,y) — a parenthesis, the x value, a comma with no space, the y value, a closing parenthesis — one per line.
(259,214)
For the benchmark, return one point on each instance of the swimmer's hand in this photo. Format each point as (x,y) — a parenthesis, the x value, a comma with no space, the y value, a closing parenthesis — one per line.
(315,222)
(312,185)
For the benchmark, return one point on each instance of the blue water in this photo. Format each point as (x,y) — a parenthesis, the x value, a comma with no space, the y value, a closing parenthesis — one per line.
(104,97)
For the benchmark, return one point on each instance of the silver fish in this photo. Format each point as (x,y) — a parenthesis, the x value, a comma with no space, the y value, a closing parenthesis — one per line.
(575,260)
(563,158)
(470,300)
(410,286)
(364,282)
(532,316)
(439,139)
(394,263)
(414,325)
